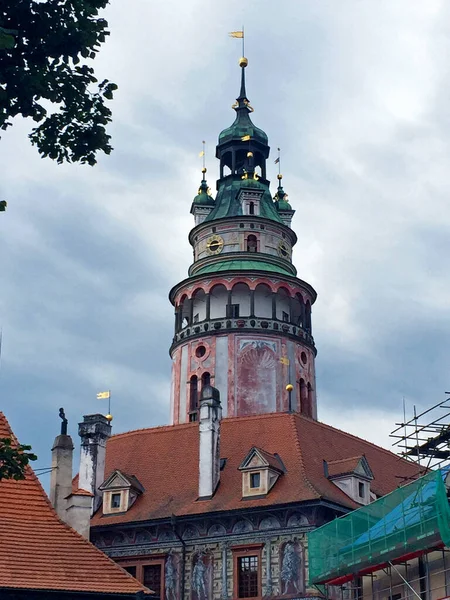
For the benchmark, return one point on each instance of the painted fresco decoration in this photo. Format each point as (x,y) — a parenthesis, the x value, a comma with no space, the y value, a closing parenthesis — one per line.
(171,577)
(202,576)
(291,568)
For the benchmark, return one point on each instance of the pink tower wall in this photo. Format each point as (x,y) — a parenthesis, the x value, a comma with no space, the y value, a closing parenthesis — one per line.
(250,371)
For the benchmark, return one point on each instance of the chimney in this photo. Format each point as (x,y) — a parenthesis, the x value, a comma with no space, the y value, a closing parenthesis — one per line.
(209,456)
(94,432)
(61,477)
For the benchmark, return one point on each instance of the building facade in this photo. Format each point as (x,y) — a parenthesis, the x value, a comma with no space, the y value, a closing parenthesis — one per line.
(217,504)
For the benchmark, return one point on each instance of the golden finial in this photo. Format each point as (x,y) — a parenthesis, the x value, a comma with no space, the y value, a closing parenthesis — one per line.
(243,62)
(280,176)
(202,155)
(289,387)
(109,417)
(249,154)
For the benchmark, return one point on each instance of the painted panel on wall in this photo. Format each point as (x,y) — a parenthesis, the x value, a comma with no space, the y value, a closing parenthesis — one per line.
(292,579)
(202,577)
(256,368)
(221,372)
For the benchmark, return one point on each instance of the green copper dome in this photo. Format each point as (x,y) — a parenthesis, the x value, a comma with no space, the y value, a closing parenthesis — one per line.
(281,198)
(203,197)
(241,127)
(227,203)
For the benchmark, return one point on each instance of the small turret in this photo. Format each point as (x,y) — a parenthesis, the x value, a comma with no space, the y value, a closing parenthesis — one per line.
(283,207)
(203,203)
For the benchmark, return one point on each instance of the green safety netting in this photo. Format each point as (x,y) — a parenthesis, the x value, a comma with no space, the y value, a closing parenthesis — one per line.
(412,518)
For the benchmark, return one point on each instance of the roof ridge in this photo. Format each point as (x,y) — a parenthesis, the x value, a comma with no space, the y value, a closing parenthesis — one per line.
(300,454)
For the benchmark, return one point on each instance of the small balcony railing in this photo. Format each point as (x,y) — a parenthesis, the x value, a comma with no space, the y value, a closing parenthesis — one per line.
(242,323)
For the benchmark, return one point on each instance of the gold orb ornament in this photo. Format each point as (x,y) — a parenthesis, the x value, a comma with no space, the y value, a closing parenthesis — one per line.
(279,176)
(249,154)
(243,62)
(289,387)
(109,417)
(204,170)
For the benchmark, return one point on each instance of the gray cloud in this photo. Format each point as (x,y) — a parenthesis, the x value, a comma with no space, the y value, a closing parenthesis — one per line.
(354,92)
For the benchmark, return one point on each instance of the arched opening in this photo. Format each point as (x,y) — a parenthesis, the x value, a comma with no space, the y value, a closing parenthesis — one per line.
(251,208)
(263,301)
(252,242)
(193,398)
(206,379)
(240,301)
(218,302)
(304,398)
(308,412)
(184,312)
(298,310)
(199,306)
(284,305)
(308,317)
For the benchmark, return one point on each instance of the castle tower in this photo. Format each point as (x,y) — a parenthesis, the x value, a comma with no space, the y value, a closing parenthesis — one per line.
(242,317)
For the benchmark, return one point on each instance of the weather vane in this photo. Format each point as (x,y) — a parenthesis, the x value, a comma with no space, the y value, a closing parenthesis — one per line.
(240,35)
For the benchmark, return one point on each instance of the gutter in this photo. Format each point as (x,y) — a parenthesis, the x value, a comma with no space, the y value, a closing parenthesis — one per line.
(173,522)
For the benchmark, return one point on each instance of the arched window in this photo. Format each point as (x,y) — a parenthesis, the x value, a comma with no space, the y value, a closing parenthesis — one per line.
(308,317)
(252,243)
(251,208)
(206,379)
(308,413)
(304,398)
(193,398)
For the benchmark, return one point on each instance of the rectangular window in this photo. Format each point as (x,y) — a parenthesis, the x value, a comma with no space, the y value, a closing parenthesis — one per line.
(152,579)
(196,318)
(285,317)
(248,572)
(131,569)
(115,500)
(360,489)
(255,480)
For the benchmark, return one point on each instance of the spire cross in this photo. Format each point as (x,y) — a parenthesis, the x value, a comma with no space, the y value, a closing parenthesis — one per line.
(204,155)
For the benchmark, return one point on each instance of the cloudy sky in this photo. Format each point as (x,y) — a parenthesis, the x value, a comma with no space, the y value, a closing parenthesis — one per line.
(356,93)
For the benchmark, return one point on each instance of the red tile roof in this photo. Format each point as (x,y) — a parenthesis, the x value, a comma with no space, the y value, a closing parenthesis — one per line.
(343,466)
(40,552)
(165,460)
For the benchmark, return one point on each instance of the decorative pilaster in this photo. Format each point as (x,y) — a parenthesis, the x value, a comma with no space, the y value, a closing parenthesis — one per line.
(268,591)
(225,571)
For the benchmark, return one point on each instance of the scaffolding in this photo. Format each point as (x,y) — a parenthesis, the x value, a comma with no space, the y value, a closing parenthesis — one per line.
(425,438)
(410,520)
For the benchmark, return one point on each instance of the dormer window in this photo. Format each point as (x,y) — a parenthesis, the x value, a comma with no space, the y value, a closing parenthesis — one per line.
(260,471)
(353,476)
(116,500)
(255,480)
(120,492)
(361,489)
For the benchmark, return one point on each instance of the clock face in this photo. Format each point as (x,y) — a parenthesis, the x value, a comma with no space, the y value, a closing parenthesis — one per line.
(284,250)
(214,244)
